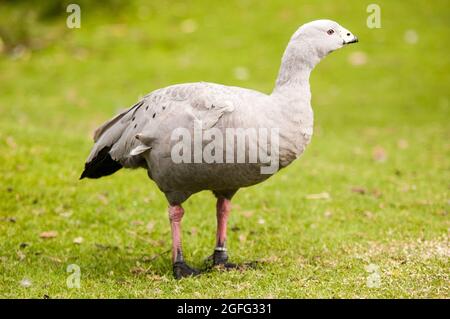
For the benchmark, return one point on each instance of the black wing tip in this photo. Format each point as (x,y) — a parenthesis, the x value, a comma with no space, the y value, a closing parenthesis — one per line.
(101,165)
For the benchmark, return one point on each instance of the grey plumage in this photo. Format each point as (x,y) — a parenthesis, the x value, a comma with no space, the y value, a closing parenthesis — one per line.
(146,135)
(141,136)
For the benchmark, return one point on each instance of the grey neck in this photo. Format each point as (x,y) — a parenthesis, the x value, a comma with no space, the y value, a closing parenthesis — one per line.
(299,59)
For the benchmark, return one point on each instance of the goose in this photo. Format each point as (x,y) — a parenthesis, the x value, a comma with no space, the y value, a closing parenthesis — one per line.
(161,134)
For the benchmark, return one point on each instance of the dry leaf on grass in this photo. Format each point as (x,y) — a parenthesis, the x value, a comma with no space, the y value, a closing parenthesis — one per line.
(48,234)
(137,270)
(155,277)
(150,226)
(235,228)
(379,154)
(103,198)
(270,259)
(368,214)
(357,58)
(26,283)
(78,240)
(21,255)
(359,190)
(8,219)
(324,195)
(376,193)
(53,258)
(11,142)
(402,144)
(328,214)
(247,213)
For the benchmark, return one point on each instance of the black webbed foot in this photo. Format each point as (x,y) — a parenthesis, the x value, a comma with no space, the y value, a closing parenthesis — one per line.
(220,257)
(181,270)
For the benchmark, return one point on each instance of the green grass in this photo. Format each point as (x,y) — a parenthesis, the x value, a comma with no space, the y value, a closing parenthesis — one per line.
(381,127)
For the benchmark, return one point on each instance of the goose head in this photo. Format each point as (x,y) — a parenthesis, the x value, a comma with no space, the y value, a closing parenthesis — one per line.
(323,36)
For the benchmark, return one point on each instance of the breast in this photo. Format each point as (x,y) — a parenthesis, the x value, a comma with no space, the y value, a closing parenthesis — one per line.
(296,132)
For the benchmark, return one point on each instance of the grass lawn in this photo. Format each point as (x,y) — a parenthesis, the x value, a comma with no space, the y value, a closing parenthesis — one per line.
(379,158)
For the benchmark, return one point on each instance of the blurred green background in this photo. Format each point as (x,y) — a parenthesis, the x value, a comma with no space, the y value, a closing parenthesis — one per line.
(369,196)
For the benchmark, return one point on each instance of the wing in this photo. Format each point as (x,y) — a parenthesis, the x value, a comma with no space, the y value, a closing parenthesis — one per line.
(169,108)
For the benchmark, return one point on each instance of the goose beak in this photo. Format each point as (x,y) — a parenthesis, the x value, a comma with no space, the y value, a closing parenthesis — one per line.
(347,36)
(354,40)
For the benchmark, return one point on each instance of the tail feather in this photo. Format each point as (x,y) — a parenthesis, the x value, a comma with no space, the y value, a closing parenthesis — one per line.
(101,165)
(107,138)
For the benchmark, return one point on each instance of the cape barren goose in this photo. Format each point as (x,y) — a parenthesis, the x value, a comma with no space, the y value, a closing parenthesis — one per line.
(161,134)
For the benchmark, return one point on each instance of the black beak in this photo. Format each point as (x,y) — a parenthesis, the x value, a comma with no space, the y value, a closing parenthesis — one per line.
(352,41)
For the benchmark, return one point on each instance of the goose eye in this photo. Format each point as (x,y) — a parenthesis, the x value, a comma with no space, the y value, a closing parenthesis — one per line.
(330,32)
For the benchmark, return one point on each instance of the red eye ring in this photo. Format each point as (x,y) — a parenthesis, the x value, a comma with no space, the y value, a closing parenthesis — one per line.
(330,32)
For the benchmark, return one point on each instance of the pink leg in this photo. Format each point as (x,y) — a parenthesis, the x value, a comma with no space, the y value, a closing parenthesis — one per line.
(180,268)
(223,211)
(220,256)
(176,213)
